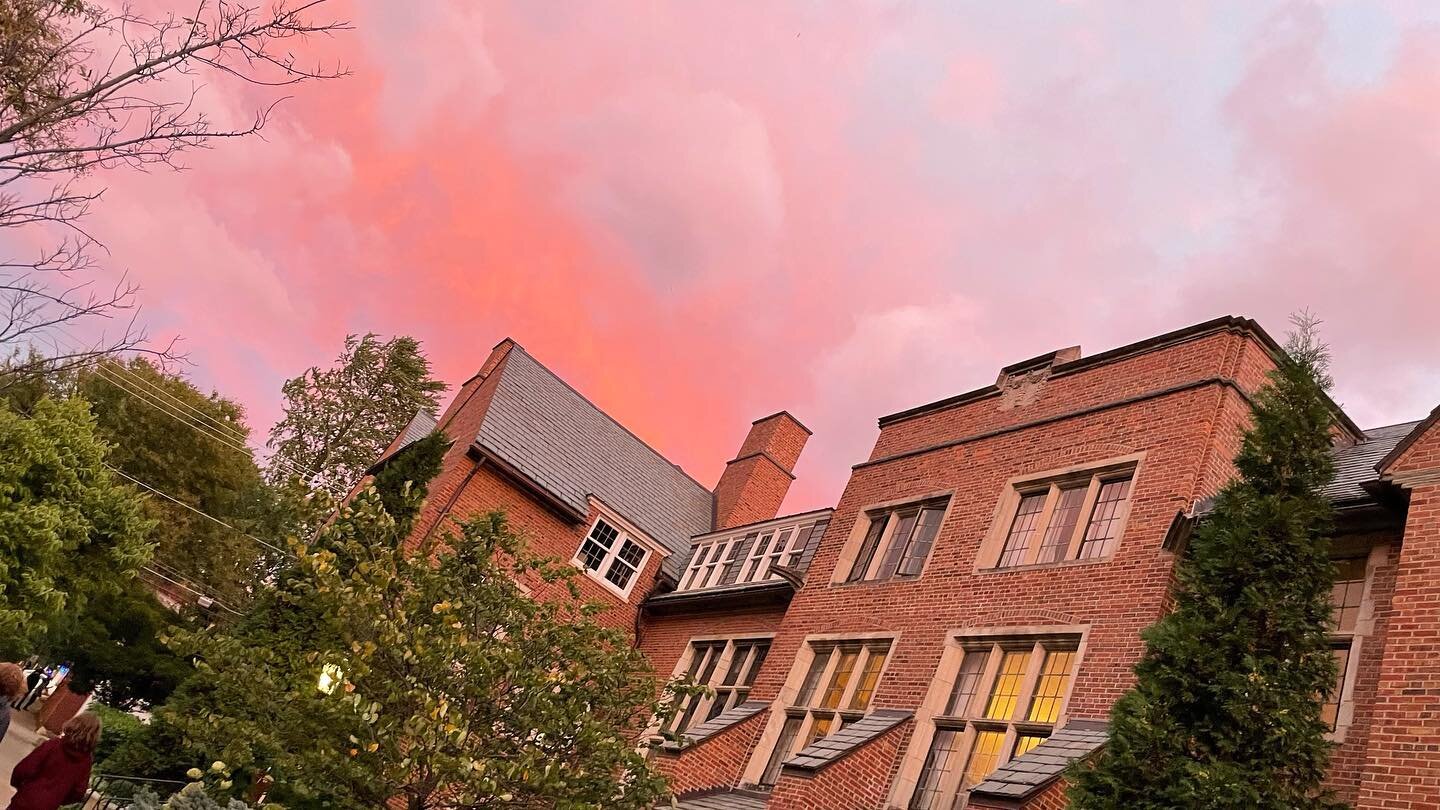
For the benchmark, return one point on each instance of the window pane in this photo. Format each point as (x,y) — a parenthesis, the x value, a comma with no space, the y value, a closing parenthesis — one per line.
(632,553)
(818,729)
(840,679)
(1105,519)
(1330,709)
(797,548)
(604,534)
(1017,542)
(619,573)
(1050,689)
(967,682)
(781,543)
(1345,596)
(1062,524)
(867,548)
(781,752)
(1006,691)
(762,649)
(1026,742)
(812,678)
(864,690)
(898,543)
(592,554)
(983,756)
(920,544)
(937,767)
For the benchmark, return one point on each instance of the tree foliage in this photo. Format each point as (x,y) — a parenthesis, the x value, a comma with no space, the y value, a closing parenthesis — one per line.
(70,532)
(449,686)
(115,647)
(338,420)
(88,86)
(419,461)
(1226,709)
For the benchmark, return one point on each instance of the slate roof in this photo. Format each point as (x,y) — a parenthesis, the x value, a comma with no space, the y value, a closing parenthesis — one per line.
(1355,465)
(835,747)
(724,800)
(420,425)
(565,444)
(704,731)
(1036,768)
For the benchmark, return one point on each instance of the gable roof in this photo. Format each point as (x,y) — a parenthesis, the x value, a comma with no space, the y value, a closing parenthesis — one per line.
(422,424)
(1417,429)
(565,444)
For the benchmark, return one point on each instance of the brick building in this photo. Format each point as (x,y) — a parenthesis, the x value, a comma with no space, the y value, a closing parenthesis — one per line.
(954,631)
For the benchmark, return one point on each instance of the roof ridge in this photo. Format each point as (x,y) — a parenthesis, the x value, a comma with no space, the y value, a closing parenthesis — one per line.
(613,420)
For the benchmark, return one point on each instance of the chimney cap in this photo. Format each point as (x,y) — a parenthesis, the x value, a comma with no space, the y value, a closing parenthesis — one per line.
(789,416)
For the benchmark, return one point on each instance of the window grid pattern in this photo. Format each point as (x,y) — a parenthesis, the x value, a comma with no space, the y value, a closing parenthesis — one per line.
(850,672)
(1072,519)
(1347,599)
(897,541)
(1062,525)
(986,734)
(1330,707)
(1105,519)
(611,555)
(749,556)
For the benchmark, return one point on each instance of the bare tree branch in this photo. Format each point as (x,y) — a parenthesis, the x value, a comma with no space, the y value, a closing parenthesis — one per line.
(84,88)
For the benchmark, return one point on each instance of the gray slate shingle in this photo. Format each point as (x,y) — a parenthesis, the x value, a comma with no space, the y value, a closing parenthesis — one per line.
(562,442)
(728,800)
(704,731)
(1355,465)
(420,425)
(1033,770)
(847,740)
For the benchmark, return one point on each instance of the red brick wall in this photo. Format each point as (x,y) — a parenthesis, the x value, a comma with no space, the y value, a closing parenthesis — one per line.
(780,435)
(1402,767)
(716,762)
(858,782)
(1188,437)
(1051,798)
(663,639)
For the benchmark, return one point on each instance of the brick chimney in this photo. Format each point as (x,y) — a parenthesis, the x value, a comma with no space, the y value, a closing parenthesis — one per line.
(755,482)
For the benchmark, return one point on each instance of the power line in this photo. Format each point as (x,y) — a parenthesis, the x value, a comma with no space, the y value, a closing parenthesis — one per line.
(135,377)
(205,515)
(152,572)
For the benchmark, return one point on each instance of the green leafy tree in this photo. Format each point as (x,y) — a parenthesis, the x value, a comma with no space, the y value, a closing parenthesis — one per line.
(338,420)
(70,531)
(429,676)
(1225,712)
(116,650)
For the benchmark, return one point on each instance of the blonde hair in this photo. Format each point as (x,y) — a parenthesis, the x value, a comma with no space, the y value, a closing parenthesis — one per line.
(12,680)
(82,732)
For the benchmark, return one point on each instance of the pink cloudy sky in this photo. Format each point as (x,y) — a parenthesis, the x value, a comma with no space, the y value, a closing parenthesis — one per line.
(702,212)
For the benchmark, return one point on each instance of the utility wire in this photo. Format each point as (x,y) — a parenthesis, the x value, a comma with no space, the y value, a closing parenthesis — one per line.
(152,572)
(205,515)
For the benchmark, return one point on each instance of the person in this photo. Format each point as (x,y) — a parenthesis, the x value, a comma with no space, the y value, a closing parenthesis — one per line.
(58,772)
(12,686)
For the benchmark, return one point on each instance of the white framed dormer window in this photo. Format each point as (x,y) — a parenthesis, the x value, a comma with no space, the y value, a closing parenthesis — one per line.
(612,556)
(752,553)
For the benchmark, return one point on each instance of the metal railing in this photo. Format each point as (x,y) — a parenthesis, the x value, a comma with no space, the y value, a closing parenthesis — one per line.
(110,791)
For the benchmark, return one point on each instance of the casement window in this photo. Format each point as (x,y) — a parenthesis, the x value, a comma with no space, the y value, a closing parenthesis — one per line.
(837,691)
(752,555)
(897,541)
(1074,517)
(1008,696)
(611,556)
(1346,600)
(728,667)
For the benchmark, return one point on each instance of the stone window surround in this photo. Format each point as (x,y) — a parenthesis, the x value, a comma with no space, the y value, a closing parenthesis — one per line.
(993,545)
(913,759)
(600,511)
(682,666)
(1376,555)
(851,549)
(753,567)
(804,657)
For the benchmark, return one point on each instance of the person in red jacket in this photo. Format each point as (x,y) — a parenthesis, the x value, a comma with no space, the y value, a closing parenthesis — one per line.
(57,772)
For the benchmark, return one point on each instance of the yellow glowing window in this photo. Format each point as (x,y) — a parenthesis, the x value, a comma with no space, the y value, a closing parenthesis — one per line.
(868,678)
(1025,743)
(1006,691)
(818,729)
(840,679)
(1050,690)
(983,756)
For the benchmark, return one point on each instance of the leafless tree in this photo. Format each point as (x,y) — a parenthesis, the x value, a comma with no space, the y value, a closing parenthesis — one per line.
(86,87)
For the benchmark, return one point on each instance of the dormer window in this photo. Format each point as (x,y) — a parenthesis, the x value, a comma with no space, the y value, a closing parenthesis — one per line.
(610,556)
(753,553)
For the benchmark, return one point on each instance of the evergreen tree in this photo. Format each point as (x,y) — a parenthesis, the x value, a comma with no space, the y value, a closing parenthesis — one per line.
(1225,713)
(419,461)
(338,420)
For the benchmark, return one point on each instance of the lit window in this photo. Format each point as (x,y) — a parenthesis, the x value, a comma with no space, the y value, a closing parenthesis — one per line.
(611,556)
(836,691)
(991,679)
(1065,519)
(897,541)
